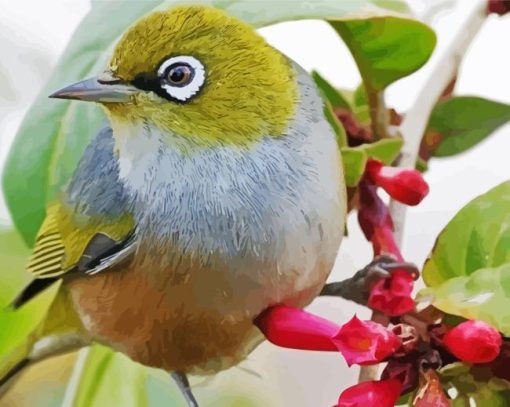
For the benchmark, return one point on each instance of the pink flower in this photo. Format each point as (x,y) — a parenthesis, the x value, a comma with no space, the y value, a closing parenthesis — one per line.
(473,342)
(297,329)
(365,342)
(393,296)
(406,185)
(382,393)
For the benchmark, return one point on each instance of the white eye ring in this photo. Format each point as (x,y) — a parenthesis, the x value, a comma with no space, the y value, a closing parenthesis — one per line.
(183,93)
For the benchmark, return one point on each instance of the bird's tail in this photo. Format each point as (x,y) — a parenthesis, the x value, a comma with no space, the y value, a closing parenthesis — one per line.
(59,332)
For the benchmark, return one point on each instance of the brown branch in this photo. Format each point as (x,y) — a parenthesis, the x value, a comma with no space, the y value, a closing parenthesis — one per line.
(442,69)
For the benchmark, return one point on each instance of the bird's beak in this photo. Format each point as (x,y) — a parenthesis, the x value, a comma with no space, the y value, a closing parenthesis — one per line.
(97,89)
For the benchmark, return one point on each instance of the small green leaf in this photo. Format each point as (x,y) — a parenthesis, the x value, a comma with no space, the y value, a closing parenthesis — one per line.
(477,237)
(386,48)
(360,96)
(483,295)
(354,160)
(463,122)
(108,378)
(385,150)
(334,96)
(338,128)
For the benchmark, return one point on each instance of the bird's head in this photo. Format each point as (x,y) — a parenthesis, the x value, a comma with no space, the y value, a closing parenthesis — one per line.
(197,72)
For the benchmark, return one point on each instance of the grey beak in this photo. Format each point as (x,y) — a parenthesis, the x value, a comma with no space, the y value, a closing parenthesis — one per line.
(94,90)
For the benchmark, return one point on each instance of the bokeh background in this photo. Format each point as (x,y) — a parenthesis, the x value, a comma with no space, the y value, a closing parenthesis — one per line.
(34,33)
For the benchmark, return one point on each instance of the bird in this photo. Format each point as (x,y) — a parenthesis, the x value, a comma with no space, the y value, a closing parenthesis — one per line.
(215,191)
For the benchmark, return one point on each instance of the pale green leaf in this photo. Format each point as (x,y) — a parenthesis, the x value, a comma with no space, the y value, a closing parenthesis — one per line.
(483,295)
(354,160)
(333,95)
(477,237)
(108,378)
(386,48)
(385,150)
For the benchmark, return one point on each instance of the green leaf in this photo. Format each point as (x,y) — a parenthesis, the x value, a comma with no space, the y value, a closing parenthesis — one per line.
(334,96)
(13,257)
(477,237)
(354,160)
(483,295)
(19,327)
(338,128)
(385,150)
(107,378)
(54,134)
(386,48)
(360,96)
(463,122)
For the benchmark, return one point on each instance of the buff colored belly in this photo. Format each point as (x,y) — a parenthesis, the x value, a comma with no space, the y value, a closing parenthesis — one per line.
(196,320)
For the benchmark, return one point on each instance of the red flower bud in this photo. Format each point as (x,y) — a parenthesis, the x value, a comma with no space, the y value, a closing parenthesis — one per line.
(297,329)
(473,342)
(406,185)
(499,6)
(365,342)
(393,296)
(382,393)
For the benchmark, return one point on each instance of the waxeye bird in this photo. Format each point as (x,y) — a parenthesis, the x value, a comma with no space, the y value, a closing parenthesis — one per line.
(216,192)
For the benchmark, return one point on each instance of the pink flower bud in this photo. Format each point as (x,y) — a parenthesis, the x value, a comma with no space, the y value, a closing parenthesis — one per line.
(473,342)
(406,185)
(393,296)
(297,329)
(365,342)
(381,393)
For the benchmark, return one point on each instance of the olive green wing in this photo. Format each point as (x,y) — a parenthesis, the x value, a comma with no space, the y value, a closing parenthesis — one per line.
(90,228)
(63,245)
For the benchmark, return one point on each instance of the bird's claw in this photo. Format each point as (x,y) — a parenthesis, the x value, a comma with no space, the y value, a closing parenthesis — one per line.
(358,287)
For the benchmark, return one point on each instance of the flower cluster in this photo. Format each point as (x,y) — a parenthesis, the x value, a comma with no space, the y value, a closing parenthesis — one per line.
(391,296)
(414,350)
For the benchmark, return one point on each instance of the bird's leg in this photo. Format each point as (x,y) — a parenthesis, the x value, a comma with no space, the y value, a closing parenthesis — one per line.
(357,288)
(183,384)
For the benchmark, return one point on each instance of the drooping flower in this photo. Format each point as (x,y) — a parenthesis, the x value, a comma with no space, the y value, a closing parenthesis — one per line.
(392,296)
(473,342)
(406,185)
(297,329)
(365,342)
(377,393)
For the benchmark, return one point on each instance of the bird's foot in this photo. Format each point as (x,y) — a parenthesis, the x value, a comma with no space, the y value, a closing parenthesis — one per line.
(357,288)
(183,383)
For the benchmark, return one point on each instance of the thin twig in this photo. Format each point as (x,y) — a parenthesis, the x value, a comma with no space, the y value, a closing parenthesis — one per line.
(441,69)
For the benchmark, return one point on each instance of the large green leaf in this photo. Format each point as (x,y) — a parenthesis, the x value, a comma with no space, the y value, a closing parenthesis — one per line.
(483,295)
(13,255)
(107,378)
(18,328)
(54,133)
(461,122)
(386,48)
(477,237)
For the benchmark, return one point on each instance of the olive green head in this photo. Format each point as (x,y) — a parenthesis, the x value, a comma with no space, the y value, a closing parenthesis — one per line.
(195,71)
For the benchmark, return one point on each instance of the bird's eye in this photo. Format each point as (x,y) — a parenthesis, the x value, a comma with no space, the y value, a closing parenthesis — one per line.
(181,77)
(179,74)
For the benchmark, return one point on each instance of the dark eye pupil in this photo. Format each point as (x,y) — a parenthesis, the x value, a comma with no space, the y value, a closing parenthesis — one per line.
(180,74)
